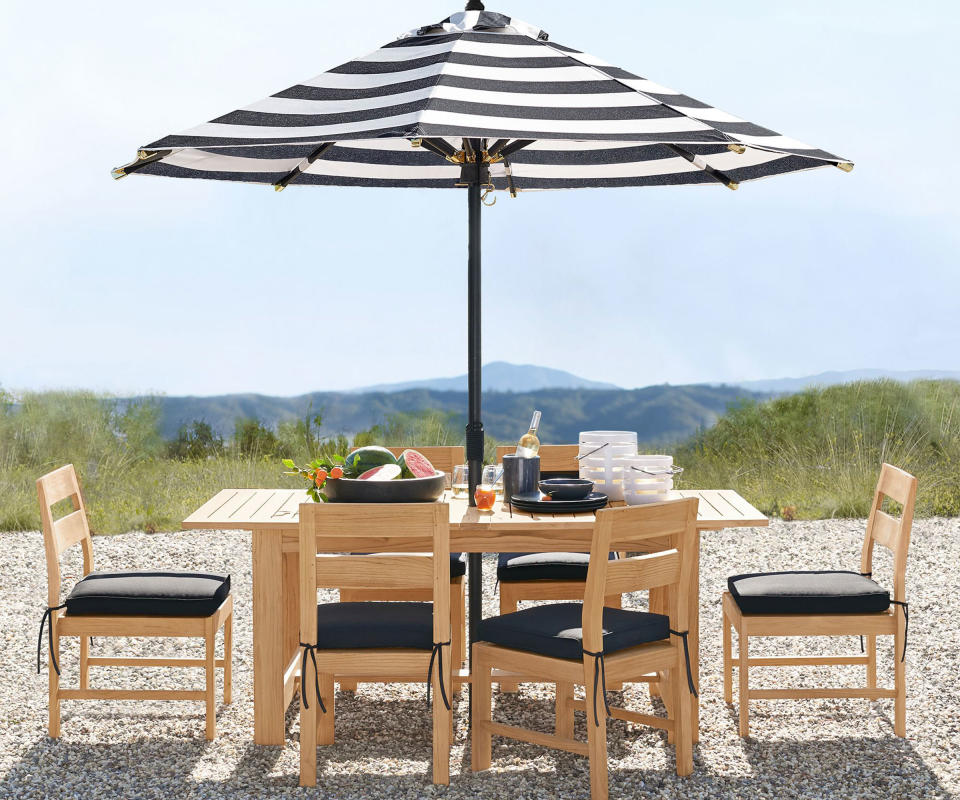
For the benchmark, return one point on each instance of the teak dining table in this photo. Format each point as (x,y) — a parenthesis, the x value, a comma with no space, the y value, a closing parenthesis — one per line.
(272,517)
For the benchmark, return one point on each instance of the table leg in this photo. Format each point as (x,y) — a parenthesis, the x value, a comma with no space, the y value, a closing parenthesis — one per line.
(475,587)
(268,639)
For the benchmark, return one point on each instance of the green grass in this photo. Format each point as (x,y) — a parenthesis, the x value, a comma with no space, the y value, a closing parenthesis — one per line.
(817,454)
(810,455)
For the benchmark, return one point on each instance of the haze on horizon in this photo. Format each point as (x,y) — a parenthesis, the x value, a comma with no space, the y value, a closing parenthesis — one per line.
(189,287)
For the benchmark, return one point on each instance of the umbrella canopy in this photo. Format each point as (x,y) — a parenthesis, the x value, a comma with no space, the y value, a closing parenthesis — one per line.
(548,117)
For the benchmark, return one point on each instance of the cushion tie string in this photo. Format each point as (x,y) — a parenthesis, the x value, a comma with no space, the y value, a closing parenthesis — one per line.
(48,617)
(906,624)
(437,654)
(599,671)
(686,654)
(312,650)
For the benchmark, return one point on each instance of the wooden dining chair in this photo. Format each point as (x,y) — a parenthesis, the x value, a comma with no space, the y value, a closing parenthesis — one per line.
(544,576)
(828,603)
(130,603)
(388,642)
(444,458)
(589,643)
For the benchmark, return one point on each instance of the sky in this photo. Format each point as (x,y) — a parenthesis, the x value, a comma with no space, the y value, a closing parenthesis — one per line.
(198,287)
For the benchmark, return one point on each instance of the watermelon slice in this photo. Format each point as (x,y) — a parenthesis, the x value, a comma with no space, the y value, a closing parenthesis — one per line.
(387,472)
(415,465)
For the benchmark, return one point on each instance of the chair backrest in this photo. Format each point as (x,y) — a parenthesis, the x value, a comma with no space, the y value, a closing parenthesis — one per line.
(61,534)
(666,532)
(409,547)
(553,457)
(889,531)
(443,457)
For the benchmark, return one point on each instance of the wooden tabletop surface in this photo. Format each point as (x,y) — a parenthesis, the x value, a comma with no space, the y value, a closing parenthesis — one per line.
(279,509)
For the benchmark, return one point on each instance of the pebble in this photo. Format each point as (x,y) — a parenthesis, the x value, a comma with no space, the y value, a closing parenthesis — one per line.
(808,749)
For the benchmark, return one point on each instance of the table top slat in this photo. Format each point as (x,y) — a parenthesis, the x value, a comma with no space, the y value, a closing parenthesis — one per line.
(278,509)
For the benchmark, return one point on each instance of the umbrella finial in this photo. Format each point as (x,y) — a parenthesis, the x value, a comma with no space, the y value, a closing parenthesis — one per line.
(474,5)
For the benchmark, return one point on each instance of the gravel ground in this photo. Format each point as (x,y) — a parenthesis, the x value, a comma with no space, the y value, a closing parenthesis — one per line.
(809,749)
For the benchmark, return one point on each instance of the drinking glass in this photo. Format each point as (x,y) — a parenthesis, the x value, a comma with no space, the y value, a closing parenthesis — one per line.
(489,478)
(461,480)
(485,497)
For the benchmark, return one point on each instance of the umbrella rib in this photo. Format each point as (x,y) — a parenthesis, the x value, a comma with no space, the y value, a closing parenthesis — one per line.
(698,162)
(282,184)
(442,148)
(144,157)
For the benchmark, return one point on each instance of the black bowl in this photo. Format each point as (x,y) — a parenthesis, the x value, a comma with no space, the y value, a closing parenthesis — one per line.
(566,488)
(406,490)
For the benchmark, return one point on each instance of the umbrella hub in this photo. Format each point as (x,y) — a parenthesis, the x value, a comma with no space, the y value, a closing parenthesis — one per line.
(474,5)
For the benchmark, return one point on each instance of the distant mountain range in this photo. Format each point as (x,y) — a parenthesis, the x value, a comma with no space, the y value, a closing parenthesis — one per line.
(790,385)
(499,376)
(569,403)
(657,413)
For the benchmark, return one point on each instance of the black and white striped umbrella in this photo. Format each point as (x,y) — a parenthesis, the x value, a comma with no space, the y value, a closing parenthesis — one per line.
(547,117)
(484,102)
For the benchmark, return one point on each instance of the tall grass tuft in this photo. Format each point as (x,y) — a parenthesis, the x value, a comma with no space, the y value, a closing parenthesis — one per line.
(818,453)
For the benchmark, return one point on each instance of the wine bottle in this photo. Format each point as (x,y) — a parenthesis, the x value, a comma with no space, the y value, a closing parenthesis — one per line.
(529,444)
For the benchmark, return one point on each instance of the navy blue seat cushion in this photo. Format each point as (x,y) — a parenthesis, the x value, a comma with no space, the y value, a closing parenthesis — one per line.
(824,592)
(555,629)
(543,566)
(149,593)
(458,565)
(350,626)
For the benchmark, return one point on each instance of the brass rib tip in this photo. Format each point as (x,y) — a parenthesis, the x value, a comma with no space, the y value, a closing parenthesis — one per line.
(118,173)
(416,142)
(733,185)
(278,187)
(739,149)
(846,166)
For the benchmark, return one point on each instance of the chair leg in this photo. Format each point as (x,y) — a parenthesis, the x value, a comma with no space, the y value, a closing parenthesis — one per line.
(325,722)
(669,699)
(509,603)
(683,718)
(744,650)
(614,601)
(308,739)
(53,723)
(481,692)
(899,682)
(84,662)
(727,661)
(596,742)
(210,668)
(457,625)
(346,596)
(228,660)
(442,719)
(564,710)
(871,662)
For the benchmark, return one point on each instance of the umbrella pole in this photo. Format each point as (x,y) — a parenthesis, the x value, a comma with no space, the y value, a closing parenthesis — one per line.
(474,433)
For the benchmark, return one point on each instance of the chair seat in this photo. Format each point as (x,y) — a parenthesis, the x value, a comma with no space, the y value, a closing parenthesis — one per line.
(555,629)
(352,626)
(543,566)
(808,593)
(149,593)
